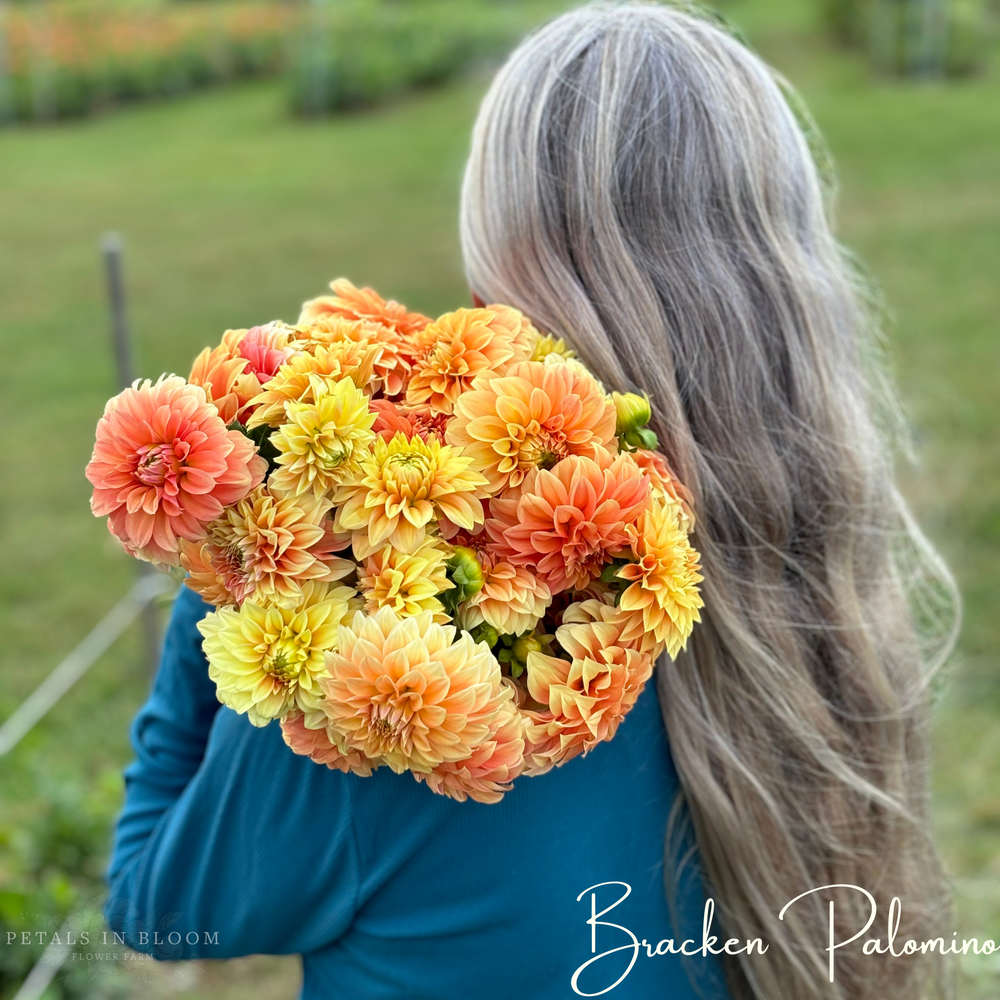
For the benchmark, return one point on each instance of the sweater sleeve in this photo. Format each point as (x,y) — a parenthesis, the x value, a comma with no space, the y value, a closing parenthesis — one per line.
(228,844)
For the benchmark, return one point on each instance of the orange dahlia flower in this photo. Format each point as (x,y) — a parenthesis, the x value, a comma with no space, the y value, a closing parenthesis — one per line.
(164,465)
(457,347)
(665,484)
(664,577)
(232,373)
(404,484)
(300,378)
(587,696)
(568,521)
(264,548)
(321,747)
(486,775)
(410,692)
(353,303)
(530,418)
(392,367)
(393,418)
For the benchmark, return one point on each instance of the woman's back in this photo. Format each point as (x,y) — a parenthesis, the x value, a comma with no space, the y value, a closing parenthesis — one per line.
(387,889)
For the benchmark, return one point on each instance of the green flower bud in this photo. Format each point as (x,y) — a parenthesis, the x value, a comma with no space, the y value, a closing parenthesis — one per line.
(633,412)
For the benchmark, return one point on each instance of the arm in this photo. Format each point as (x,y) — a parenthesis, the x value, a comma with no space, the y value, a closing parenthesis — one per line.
(229,844)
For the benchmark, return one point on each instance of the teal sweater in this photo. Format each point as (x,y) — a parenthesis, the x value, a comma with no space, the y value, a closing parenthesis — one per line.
(229,844)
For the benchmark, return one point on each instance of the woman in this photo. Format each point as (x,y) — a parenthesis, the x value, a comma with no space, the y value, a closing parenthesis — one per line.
(640,185)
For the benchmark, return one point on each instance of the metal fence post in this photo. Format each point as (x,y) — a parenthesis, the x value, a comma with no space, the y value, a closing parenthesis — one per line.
(111,246)
(6,88)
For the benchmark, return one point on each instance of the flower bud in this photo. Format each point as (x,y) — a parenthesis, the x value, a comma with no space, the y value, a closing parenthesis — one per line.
(465,572)
(633,413)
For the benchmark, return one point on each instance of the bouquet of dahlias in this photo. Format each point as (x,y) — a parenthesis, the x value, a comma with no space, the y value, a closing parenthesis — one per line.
(436,545)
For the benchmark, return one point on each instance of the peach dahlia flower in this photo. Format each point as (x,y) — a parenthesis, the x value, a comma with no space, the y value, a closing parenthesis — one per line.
(588,695)
(266,661)
(530,418)
(404,484)
(411,693)
(485,775)
(459,346)
(164,465)
(568,521)
(353,303)
(321,747)
(263,549)
(663,579)
(512,598)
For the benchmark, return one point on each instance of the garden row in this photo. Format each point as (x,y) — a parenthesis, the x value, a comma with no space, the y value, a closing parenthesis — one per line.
(60,59)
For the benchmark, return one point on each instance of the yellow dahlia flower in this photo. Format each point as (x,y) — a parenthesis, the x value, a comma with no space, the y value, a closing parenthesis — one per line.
(547,344)
(403,485)
(304,375)
(530,418)
(406,582)
(267,660)
(263,549)
(410,692)
(664,577)
(320,442)
(460,345)
(392,366)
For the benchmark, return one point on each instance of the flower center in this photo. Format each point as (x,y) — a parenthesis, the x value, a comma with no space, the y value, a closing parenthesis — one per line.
(158,464)
(285,657)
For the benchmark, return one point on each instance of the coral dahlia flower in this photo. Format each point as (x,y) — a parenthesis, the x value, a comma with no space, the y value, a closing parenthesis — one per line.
(409,583)
(321,747)
(320,442)
(266,661)
(530,418)
(459,346)
(486,775)
(410,692)
(664,577)
(263,549)
(232,373)
(404,484)
(353,303)
(568,521)
(164,465)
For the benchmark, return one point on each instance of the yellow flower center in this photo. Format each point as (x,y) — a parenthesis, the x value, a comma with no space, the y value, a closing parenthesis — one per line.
(285,657)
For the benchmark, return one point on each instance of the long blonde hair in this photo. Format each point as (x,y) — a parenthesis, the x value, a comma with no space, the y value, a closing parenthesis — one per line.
(643,185)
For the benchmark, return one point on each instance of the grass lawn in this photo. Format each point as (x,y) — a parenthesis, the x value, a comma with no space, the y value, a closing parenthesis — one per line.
(233,214)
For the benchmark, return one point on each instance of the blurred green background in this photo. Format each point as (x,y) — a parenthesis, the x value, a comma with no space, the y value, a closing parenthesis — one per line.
(238,203)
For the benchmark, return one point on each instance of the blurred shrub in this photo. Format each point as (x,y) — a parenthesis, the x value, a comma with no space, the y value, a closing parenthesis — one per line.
(359,52)
(67,60)
(915,37)
(52,878)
